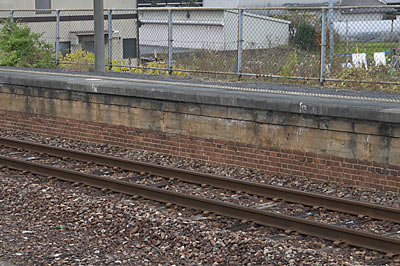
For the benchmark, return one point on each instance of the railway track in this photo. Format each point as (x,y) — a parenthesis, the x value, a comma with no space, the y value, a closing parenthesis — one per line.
(301,225)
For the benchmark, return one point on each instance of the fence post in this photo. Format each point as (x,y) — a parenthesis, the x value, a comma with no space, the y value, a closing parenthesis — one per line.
(58,37)
(240,43)
(137,38)
(323,44)
(12,15)
(110,40)
(170,40)
(331,33)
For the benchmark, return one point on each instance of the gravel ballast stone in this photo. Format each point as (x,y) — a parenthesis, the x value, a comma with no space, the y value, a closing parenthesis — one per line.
(44,221)
(386,198)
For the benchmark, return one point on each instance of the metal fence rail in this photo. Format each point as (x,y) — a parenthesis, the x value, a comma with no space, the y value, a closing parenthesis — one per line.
(346,45)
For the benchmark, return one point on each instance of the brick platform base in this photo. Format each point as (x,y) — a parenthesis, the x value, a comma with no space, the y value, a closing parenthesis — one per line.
(217,152)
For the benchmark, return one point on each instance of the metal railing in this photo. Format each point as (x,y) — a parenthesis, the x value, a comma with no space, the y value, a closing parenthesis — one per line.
(345,45)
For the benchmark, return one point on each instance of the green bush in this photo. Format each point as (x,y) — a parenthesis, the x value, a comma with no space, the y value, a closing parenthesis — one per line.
(78,61)
(306,36)
(21,48)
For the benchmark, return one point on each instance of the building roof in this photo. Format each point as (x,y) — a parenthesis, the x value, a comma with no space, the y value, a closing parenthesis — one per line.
(382,10)
(361,3)
(391,2)
(170,3)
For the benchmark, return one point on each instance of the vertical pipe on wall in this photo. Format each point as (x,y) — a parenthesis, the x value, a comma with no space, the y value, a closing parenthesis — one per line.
(110,39)
(58,37)
(170,40)
(240,43)
(323,44)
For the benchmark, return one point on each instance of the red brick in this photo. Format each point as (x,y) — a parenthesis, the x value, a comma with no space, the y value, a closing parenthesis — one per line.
(218,152)
(397,190)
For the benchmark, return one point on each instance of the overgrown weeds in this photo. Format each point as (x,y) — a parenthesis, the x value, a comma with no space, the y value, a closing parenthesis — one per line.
(285,62)
(84,61)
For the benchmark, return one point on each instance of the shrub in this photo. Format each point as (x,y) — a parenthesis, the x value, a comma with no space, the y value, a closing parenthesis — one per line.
(288,68)
(327,36)
(118,65)
(306,36)
(78,61)
(373,73)
(20,47)
(159,64)
(84,61)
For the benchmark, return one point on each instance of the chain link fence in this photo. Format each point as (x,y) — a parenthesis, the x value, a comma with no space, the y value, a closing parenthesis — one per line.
(273,47)
(5,14)
(40,22)
(363,44)
(124,42)
(205,41)
(76,34)
(344,45)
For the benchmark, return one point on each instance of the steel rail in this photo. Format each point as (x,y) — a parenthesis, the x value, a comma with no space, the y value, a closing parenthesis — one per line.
(290,195)
(304,226)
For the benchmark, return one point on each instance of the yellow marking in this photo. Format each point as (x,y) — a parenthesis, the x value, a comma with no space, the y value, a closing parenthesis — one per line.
(207,86)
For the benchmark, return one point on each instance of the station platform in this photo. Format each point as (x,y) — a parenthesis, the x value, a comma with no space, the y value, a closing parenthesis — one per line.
(329,134)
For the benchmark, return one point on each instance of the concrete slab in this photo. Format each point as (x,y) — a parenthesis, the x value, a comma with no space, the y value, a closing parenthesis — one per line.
(373,106)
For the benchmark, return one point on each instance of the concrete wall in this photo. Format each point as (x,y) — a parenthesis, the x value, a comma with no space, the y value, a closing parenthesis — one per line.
(231,28)
(347,144)
(191,30)
(260,32)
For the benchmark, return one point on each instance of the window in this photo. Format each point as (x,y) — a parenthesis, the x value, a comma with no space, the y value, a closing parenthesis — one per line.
(87,43)
(88,46)
(86,40)
(65,48)
(129,48)
(42,4)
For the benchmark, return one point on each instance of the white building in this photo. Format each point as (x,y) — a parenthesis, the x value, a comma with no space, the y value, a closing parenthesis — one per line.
(76,27)
(196,29)
(62,4)
(211,29)
(264,3)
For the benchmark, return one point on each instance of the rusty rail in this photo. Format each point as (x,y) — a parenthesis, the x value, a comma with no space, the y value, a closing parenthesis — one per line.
(290,195)
(304,226)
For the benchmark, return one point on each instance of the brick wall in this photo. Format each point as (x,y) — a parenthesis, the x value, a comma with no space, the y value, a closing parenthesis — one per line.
(273,160)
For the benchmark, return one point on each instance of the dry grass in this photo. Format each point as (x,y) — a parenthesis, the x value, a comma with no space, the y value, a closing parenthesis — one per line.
(289,62)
